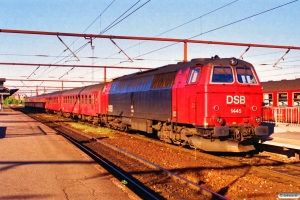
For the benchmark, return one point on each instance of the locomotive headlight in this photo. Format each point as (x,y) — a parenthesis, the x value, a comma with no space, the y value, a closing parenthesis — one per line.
(219,120)
(233,61)
(257,119)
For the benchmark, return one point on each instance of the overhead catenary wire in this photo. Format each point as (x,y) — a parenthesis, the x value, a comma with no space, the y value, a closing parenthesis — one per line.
(210,12)
(113,23)
(77,39)
(124,17)
(185,23)
(73,70)
(223,26)
(220,27)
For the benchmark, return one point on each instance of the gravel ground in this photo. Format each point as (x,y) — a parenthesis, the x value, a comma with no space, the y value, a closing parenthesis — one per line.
(235,182)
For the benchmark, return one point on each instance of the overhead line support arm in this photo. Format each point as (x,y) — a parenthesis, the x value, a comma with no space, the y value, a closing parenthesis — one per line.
(147,38)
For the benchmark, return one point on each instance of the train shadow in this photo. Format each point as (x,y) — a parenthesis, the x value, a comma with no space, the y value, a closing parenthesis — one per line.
(235,154)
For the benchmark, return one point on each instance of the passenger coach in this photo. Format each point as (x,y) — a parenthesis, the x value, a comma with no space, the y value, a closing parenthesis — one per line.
(282,101)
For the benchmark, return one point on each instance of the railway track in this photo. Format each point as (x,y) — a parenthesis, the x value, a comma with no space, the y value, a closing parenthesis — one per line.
(229,176)
(291,169)
(146,179)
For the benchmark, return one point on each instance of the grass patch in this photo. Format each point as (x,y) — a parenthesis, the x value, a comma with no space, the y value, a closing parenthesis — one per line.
(89,129)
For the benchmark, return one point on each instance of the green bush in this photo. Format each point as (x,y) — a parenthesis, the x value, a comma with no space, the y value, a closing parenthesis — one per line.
(13,100)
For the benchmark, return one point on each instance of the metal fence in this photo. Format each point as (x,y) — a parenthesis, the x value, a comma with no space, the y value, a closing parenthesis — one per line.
(290,115)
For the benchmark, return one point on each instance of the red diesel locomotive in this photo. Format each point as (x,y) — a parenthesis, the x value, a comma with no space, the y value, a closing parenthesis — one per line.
(210,104)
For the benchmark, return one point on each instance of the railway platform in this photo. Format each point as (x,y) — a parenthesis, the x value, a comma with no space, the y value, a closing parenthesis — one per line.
(285,138)
(37,163)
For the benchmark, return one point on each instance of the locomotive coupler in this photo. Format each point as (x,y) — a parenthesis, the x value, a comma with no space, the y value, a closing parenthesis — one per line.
(237,135)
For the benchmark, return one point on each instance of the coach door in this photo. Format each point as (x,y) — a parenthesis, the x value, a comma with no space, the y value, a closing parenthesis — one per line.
(95,98)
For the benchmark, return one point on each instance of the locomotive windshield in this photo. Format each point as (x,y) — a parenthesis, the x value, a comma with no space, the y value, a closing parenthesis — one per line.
(222,74)
(245,75)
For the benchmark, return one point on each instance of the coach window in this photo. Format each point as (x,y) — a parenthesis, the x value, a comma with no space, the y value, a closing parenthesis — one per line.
(296,99)
(245,75)
(222,74)
(194,75)
(282,99)
(268,99)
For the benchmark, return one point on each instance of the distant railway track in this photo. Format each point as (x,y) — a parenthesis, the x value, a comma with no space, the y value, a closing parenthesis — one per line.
(146,179)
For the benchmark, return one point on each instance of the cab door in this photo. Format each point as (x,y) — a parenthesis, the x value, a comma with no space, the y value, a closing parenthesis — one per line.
(192,92)
(185,96)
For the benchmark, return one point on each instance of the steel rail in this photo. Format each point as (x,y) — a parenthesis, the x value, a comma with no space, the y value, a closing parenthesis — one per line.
(207,191)
(146,194)
(143,191)
(204,190)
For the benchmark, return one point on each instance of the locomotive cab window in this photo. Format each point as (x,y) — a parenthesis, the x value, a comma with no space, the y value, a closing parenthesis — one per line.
(194,75)
(268,99)
(245,75)
(296,99)
(282,99)
(222,74)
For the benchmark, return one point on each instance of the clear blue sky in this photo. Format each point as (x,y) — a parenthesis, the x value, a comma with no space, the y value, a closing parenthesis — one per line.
(278,26)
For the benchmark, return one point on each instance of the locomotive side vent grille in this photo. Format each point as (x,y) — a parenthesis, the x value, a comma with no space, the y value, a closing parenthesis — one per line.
(163,80)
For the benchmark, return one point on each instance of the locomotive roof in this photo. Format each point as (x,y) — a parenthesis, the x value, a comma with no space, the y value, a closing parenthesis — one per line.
(281,85)
(180,65)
